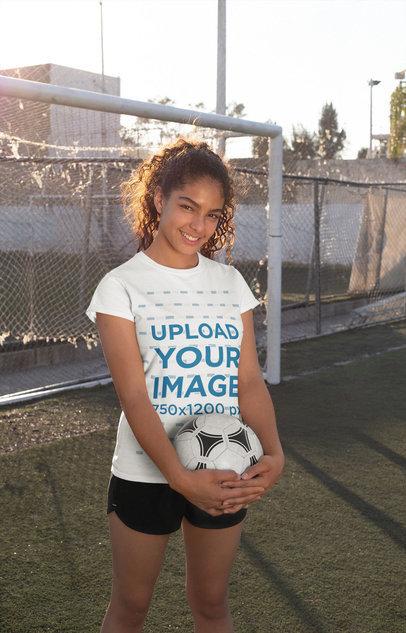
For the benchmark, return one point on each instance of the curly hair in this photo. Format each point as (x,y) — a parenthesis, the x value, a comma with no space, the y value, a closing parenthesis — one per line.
(175,164)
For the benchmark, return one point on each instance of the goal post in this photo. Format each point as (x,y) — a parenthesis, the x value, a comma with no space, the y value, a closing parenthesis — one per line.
(274,252)
(78,98)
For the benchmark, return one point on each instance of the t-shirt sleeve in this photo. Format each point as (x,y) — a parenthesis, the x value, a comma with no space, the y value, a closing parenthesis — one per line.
(110,297)
(247,298)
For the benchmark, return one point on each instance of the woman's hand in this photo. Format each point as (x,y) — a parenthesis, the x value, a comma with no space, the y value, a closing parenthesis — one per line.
(204,489)
(265,473)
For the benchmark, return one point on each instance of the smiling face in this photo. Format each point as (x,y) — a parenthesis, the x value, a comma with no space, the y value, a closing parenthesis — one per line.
(193,209)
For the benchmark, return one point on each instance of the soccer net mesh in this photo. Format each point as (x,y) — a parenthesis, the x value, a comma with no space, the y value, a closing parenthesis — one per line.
(63,228)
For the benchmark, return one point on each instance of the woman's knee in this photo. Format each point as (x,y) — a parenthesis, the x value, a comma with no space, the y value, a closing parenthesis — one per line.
(130,607)
(209,604)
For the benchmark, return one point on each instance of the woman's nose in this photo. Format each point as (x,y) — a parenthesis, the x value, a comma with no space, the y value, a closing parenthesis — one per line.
(198,225)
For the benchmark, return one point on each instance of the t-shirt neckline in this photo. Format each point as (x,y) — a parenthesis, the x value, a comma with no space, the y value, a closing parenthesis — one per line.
(177,271)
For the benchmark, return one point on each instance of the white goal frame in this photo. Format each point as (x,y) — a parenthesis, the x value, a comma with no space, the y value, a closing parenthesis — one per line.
(61,95)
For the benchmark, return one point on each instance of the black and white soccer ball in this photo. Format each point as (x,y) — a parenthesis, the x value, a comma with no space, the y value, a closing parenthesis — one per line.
(217,441)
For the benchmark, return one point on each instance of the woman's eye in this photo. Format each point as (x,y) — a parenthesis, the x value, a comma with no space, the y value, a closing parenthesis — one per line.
(188,208)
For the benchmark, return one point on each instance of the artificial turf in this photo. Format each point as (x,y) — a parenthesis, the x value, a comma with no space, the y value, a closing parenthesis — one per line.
(322,552)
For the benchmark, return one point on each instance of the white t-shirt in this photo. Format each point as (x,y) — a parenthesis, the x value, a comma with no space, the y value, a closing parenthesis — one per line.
(189,330)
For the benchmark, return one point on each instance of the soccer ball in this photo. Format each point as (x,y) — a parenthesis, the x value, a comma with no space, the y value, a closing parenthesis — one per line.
(217,441)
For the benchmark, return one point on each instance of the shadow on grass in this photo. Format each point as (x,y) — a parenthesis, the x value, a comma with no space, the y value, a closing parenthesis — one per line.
(386,452)
(271,572)
(320,552)
(55,496)
(393,529)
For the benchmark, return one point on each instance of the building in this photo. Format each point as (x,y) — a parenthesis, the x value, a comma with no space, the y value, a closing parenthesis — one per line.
(56,130)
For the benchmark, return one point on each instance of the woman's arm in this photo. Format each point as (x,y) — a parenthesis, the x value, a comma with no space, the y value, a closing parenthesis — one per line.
(122,354)
(256,409)
(254,400)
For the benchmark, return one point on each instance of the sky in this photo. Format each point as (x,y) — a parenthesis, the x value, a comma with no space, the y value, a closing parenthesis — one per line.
(285,59)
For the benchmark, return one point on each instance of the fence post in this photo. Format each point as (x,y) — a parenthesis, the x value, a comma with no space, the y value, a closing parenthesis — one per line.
(317,291)
(380,243)
(88,207)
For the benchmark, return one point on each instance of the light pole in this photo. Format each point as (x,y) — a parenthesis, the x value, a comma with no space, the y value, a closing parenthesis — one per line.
(102,45)
(371,82)
(103,114)
(221,68)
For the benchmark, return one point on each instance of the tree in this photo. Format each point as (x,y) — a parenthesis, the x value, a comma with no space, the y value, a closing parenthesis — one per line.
(4,145)
(236,109)
(307,145)
(304,144)
(330,140)
(147,132)
(397,140)
(288,153)
(260,148)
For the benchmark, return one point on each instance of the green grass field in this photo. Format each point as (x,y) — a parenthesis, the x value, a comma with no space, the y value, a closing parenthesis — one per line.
(322,552)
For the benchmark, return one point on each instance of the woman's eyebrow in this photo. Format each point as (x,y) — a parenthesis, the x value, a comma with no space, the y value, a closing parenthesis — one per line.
(196,203)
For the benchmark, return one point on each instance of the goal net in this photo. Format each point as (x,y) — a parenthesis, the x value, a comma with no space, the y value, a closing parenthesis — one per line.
(63,228)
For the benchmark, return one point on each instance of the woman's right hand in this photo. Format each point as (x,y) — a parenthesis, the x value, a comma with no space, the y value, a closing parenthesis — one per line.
(203,489)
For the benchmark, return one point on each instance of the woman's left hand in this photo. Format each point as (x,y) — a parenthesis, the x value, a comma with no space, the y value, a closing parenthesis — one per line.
(266,472)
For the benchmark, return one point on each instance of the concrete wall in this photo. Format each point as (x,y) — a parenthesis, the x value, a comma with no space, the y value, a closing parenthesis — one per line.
(62,228)
(360,169)
(339,228)
(78,126)
(57,124)
(58,227)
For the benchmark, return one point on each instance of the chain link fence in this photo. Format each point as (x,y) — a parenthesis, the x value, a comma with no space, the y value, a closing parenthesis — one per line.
(344,265)
(62,229)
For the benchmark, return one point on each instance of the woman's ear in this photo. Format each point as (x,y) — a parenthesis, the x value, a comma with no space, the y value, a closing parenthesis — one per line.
(158,200)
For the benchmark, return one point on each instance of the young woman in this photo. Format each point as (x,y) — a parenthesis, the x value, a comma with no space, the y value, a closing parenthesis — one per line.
(176,327)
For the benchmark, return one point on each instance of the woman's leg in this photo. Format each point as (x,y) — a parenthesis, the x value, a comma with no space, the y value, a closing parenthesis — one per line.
(137,561)
(210,554)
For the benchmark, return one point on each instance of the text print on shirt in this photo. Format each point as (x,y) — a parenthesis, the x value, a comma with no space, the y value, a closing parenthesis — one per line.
(193,356)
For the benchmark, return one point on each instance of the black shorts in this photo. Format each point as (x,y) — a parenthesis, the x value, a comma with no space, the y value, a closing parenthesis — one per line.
(158,509)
